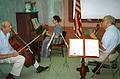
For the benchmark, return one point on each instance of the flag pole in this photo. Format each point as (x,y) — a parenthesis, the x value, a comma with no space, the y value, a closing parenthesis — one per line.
(79,33)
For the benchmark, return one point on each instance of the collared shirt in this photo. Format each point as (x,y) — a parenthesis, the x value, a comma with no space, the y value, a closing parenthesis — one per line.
(111,38)
(5,47)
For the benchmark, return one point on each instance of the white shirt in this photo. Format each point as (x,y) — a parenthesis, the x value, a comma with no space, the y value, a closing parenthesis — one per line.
(111,38)
(5,47)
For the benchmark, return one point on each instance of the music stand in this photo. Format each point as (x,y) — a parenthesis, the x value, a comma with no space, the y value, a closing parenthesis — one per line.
(86,48)
(65,64)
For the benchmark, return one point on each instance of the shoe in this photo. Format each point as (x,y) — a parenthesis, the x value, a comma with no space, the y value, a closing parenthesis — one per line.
(40,69)
(94,70)
(78,69)
(87,69)
(92,63)
(10,76)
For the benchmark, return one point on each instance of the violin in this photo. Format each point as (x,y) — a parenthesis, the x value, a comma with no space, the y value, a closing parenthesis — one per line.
(99,31)
(17,43)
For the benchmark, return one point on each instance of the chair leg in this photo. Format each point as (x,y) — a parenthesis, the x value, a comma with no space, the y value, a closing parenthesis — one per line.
(118,65)
(62,51)
(117,70)
(50,53)
(112,72)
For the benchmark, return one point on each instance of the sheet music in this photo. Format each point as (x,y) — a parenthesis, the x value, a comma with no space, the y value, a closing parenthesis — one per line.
(91,47)
(76,47)
(35,23)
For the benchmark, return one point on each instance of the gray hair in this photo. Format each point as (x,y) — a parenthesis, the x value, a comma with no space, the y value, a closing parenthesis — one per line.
(110,18)
(3,23)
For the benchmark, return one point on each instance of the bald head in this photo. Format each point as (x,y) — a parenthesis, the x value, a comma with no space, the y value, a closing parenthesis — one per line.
(6,23)
(6,26)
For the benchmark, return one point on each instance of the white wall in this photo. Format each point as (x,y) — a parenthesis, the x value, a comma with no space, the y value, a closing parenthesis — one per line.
(96,9)
(8,9)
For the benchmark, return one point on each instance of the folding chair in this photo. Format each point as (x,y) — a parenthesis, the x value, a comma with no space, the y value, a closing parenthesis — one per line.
(58,44)
(114,64)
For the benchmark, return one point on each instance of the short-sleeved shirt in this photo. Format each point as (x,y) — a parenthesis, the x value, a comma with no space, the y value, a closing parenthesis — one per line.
(111,38)
(57,30)
(5,47)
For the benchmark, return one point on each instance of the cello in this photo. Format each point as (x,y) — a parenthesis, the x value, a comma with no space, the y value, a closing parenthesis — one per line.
(17,43)
(23,48)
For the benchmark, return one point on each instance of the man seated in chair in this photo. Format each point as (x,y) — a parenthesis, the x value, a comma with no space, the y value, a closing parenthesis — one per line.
(57,30)
(110,39)
(8,54)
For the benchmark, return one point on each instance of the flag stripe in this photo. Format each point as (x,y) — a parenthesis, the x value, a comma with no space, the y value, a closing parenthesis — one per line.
(77,19)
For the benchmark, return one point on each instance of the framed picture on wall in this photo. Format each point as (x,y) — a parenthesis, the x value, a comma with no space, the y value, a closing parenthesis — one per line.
(35,23)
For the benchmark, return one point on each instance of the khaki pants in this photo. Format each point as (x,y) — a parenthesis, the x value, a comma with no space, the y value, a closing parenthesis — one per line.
(18,63)
(104,54)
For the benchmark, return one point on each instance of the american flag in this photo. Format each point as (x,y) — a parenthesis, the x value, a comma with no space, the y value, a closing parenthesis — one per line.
(77,19)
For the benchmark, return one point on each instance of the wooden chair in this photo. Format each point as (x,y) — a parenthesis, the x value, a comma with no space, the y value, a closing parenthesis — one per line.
(113,65)
(58,44)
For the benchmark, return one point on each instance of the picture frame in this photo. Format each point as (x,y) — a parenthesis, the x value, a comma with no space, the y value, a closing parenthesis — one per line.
(35,23)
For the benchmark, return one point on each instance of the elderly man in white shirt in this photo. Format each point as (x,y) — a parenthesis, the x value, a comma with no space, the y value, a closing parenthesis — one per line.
(8,54)
(110,40)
